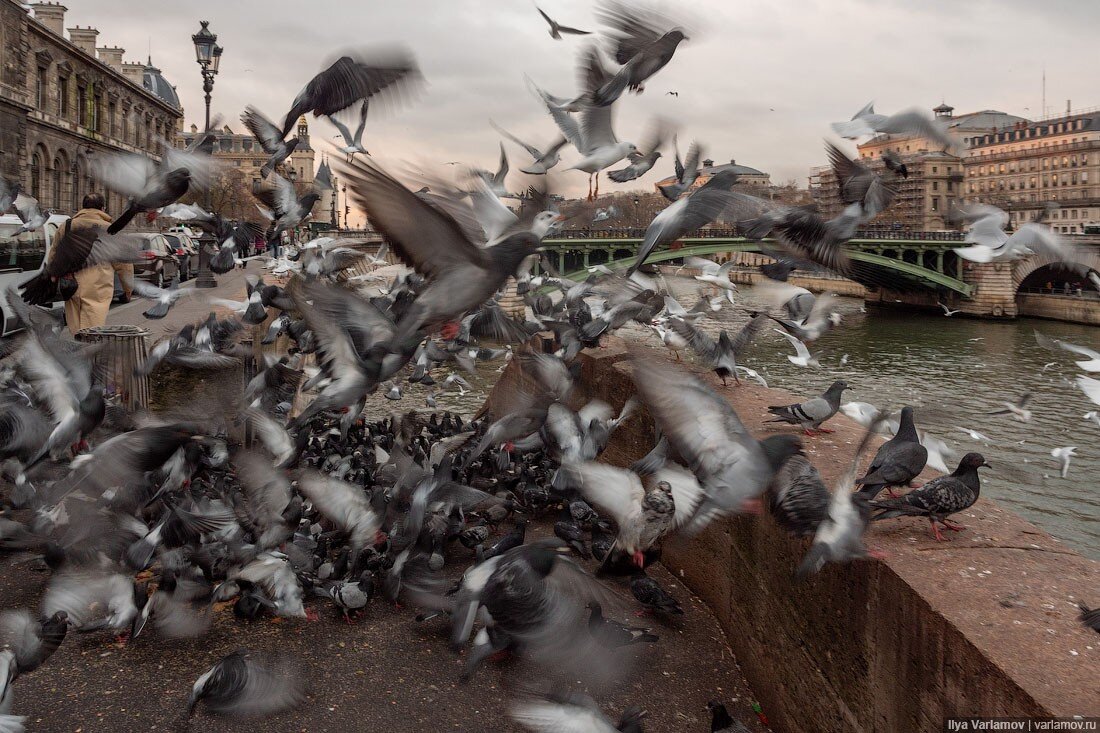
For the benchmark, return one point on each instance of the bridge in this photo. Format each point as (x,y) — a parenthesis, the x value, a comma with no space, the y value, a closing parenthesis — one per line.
(912,268)
(898,261)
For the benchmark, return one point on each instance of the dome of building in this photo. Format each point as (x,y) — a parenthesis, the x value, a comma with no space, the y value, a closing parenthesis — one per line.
(155,82)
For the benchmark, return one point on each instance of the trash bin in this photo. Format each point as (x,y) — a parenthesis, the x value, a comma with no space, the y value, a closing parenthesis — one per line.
(122,349)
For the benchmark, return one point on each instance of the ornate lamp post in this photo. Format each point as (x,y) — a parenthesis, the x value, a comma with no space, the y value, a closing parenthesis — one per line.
(208,54)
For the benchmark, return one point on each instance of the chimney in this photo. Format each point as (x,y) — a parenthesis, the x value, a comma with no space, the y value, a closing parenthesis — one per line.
(112,56)
(194,127)
(51,15)
(708,163)
(84,39)
(134,72)
(1067,108)
(733,162)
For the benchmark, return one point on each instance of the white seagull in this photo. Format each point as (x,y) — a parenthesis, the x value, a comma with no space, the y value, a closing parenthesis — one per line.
(802,355)
(1063,455)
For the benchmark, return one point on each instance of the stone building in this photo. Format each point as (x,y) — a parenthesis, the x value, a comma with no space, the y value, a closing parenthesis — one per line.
(1021,168)
(746,176)
(240,153)
(63,100)
(1015,164)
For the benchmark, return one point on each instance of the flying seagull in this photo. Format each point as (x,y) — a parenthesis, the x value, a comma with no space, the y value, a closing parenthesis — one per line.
(556,28)
(543,161)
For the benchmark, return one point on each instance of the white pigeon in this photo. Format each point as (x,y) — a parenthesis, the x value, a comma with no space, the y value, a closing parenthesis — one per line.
(1093,416)
(802,356)
(1063,455)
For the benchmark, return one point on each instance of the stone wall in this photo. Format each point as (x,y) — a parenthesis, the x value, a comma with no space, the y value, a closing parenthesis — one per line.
(984,623)
(1059,308)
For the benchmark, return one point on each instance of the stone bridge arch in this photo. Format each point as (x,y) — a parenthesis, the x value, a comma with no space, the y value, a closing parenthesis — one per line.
(1086,256)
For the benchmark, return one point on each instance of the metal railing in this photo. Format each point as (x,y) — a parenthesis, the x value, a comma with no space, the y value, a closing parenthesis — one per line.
(732,233)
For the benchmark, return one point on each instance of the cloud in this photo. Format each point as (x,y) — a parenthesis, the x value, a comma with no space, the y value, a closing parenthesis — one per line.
(811,61)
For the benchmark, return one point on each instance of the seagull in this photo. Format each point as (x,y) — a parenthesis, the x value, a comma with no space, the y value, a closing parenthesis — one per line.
(1017,409)
(607,214)
(947,311)
(1092,364)
(1063,455)
(802,356)
(353,143)
(644,158)
(713,274)
(29,212)
(542,161)
(270,138)
(990,243)
(1092,416)
(556,28)
(868,122)
(975,435)
(592,135)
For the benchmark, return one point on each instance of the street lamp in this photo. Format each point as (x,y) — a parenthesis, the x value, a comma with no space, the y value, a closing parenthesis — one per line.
(208,54)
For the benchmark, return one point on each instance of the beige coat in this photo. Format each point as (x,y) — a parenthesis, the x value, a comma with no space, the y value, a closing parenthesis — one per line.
(95,285)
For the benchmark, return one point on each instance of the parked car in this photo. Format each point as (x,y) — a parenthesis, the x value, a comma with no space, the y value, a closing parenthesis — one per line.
(162,265)
(21,257)
(186,246)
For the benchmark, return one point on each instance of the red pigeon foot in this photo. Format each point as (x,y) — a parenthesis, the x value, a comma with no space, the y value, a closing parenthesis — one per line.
(639,558)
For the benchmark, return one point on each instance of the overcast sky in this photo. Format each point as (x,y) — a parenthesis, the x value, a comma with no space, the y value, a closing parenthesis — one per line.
(758,81)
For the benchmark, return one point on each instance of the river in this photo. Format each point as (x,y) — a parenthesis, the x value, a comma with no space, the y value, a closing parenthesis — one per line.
(965,368)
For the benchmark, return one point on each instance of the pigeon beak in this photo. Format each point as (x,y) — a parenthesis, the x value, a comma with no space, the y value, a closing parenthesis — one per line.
(560,218)
(986,464)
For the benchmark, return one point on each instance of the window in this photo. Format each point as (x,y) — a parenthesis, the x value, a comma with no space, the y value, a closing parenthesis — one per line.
(40,89)
(36,176)
(97,113)
(62,96)
(112,120)
(225,144)
(247,145)
(81,104)
(935,203)
(934,169)
(55,182)
(125,125)
(950,186)
(935,184)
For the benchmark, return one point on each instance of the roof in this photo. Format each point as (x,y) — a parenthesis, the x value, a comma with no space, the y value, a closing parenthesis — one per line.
(744,170)
(984,120)
(155,82)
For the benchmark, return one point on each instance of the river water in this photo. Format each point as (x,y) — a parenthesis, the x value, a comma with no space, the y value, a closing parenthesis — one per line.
(965,368)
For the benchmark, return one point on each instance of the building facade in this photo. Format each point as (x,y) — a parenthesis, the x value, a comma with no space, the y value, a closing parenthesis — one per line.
(1015,164)
(63,100)
(1023,168)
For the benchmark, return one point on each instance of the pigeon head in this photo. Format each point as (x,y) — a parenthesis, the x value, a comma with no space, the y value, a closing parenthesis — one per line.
(309,200)
(778,448)
(676,36)
(838,386)
(631,720)
(719,717)
(178,177)
(972,462)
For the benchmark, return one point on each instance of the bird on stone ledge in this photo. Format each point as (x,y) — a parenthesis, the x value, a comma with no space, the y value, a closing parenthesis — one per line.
(939,497)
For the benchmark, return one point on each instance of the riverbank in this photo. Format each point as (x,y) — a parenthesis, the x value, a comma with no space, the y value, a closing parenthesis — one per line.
(984,623)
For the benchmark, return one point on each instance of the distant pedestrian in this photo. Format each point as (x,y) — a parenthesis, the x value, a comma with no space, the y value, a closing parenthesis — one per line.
(1065,288)
(95,286)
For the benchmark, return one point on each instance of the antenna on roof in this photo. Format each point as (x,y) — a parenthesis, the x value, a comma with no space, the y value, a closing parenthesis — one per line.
(1044,107)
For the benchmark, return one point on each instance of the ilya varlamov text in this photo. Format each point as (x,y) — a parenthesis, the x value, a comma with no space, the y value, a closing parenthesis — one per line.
(1019,724)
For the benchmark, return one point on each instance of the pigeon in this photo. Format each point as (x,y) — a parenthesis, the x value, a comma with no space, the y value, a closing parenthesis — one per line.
(702,206)
(612,634)
(151,186)
(644,158)
(165,297)
(720,355)
(652,596)
(868,122)
(797,497)
(893,163)
(542,161)
(639,43)
(611,212)
(898,460)
(1092,416)
(573,713)
(243,684)
(77,250)
(1017,409)
(31,641)
(812,413)
(731,466)
(687,171)
(839,536)
(282,205)
(939,498)
(378,74)
(348,597)
(30,213)
(509,541)
(1063,455)
(721,721)
(1089,617)
(712,273)
(990,243)
(556,28)
(270,138)
(461,276)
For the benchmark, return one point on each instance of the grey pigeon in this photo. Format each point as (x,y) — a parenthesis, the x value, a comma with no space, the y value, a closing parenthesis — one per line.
(812,413)
(270,138)
(640,42)
(720,355)
(242,684)
(687,171)
(798,498)
(940,497)
(898,460)
(645,157)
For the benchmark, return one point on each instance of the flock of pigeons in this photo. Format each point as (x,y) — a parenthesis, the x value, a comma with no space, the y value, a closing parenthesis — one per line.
(152,526)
